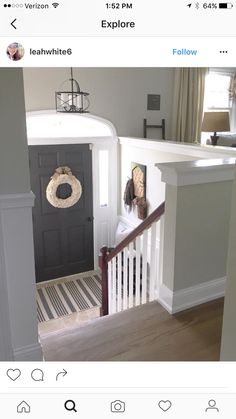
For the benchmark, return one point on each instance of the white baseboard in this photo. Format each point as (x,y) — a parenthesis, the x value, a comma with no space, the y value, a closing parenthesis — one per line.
(29,353)
(177,301)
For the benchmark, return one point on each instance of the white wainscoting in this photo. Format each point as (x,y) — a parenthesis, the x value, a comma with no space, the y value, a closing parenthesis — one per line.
(18,278)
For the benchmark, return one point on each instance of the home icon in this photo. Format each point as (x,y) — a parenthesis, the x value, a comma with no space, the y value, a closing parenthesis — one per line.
(23,407)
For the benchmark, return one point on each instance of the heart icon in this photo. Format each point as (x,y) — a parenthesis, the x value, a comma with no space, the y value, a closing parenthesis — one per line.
(165,405)
(14,374)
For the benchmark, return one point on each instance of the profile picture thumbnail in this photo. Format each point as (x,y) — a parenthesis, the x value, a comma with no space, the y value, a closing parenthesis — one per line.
(15,51)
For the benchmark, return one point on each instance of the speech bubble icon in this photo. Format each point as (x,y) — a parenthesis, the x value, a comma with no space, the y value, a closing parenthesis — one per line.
(37,375)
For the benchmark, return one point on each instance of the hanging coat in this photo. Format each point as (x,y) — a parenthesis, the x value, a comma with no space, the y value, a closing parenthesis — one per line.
(129,194)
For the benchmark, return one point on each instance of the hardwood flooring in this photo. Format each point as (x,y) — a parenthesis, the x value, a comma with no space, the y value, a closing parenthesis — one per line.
(144,333)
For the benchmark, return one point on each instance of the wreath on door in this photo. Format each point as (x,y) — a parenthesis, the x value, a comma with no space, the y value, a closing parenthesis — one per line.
(61,176)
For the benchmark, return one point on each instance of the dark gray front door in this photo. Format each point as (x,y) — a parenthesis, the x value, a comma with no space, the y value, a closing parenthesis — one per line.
(63,237)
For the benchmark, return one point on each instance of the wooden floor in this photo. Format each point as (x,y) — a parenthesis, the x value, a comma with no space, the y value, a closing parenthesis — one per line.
(145,333)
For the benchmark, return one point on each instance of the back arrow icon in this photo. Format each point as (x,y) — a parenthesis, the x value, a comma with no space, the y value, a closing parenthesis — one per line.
(12,23)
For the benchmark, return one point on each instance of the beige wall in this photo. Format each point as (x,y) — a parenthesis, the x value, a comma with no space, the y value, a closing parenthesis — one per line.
(199,220)
(14,166)
(117,94)
(228,343)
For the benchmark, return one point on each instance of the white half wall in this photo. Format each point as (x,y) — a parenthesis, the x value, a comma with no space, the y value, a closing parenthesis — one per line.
(196,230)
(228,342)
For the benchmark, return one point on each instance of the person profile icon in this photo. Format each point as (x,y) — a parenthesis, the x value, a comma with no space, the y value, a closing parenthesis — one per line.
(15,51)
(212,406)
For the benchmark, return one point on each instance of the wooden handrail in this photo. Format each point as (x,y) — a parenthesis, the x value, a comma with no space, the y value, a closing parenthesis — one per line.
(154,216)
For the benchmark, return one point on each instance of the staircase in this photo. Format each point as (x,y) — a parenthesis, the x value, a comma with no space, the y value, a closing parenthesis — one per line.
(130,270)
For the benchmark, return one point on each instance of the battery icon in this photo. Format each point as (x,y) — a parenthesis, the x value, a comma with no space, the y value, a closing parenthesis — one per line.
(225,5)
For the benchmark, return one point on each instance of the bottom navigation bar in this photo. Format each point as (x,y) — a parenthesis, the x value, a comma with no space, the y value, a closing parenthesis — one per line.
(178,406)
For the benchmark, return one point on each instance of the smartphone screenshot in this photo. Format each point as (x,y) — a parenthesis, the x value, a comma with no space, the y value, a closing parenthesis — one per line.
(117,209)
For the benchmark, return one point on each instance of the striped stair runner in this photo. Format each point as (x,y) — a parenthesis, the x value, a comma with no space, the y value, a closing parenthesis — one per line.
(62,297)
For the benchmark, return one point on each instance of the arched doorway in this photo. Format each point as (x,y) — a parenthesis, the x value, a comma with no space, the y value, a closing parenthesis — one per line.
(51,137)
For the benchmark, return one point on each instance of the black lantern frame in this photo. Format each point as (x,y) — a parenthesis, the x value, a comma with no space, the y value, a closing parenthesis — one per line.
(70,99)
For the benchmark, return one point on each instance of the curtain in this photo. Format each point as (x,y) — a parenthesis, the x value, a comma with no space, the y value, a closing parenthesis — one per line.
(188,100)
(232,96)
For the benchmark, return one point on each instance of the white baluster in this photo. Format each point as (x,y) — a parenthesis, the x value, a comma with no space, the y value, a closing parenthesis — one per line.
(160,256)
(114,292)
(125,278)
(110,292)
(119,284)
(153,269)
(131,274)
(137,270)
(121,279)
(144,266)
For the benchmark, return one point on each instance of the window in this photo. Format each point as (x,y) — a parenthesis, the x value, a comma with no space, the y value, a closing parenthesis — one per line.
(217,92)
(217,96)
(103,178)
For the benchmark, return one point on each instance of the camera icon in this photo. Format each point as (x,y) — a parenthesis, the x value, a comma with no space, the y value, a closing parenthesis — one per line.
(118,406)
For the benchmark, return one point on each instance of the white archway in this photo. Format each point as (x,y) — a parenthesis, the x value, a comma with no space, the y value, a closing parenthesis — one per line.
(52,124)
(50,127)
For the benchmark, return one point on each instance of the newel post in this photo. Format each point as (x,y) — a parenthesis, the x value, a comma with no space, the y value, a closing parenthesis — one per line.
(103,264)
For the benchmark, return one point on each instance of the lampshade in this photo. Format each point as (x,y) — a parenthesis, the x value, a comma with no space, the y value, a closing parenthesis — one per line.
(216,122)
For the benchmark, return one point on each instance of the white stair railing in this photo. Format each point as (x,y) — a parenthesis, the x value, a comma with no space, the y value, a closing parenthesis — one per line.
(130,271)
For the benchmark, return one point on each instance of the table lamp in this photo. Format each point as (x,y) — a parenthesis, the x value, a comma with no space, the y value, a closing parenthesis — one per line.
(215,122)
